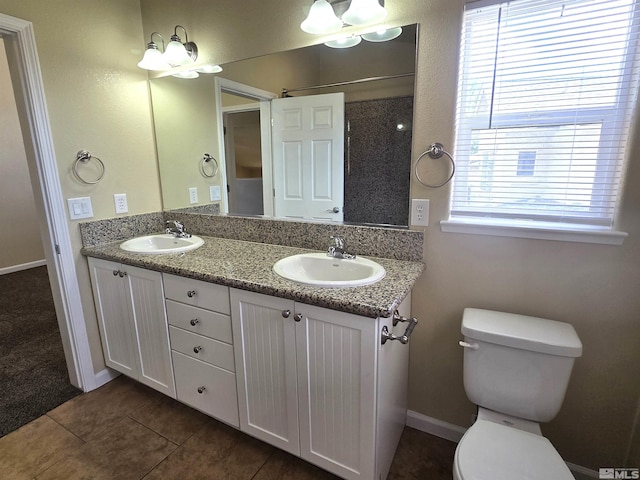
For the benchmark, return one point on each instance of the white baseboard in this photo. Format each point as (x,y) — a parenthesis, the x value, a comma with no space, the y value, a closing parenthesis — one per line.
(105,376)
(434,426)
(22,266)
(454,433)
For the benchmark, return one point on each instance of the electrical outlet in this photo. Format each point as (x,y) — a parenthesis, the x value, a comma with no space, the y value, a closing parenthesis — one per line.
(120,200)
(420,212)
(193,195)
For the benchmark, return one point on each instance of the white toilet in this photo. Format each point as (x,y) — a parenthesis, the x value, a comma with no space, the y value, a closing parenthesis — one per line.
(516,369)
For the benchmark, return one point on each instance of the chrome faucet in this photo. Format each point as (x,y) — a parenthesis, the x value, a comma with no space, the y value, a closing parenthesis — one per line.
(337,248)
(177,229)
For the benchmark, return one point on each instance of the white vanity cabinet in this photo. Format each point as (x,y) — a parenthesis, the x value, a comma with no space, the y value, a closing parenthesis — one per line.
(133,324)
(202,346)
(311,381)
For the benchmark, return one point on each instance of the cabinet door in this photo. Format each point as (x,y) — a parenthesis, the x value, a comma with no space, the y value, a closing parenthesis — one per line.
(264,345)
(116,330)
(337,354)
(145,296)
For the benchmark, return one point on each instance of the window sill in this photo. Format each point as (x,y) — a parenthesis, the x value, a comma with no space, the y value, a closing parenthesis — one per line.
(543,231)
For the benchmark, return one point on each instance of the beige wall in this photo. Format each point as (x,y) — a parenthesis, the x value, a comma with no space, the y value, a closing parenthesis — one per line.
(97,100)
(591,286)
(17,206)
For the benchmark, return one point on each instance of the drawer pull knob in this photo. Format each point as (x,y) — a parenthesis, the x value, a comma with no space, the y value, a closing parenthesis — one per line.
(115,273)
(297,317)
(194,322)
(286,313)
(191,293)
(201,389)
(197,349)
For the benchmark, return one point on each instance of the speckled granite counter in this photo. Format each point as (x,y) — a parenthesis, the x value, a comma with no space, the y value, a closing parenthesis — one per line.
(248,266)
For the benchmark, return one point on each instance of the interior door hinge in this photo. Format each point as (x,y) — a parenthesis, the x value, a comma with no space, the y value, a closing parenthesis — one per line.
(57,248)
(274,192)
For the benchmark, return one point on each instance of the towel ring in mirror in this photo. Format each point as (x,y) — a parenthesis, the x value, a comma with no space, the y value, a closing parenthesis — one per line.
(436,150)
(208,160)
(83,156)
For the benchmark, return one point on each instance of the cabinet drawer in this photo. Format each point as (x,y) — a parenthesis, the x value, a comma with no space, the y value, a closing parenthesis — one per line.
(207,323)
(198,293)
(218,398)
(203,348)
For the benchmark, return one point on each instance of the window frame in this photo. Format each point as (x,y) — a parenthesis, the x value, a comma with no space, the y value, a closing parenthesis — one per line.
(543,225)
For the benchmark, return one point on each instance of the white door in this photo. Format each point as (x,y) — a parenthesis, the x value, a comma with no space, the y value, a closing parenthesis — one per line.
(308,156)
(265,353)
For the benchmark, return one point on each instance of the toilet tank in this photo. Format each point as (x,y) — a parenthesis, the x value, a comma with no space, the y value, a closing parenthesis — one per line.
(517,365)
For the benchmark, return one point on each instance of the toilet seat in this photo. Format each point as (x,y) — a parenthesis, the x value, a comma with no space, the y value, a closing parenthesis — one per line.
(490,451)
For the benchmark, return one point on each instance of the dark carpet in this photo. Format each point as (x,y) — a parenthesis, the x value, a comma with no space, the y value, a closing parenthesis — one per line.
(33,372)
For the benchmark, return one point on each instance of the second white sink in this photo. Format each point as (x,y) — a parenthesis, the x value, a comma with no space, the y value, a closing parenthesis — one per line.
(161,243)
(320,270)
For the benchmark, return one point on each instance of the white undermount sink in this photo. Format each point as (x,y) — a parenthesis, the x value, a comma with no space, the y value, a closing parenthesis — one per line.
(320,270)
(161,243)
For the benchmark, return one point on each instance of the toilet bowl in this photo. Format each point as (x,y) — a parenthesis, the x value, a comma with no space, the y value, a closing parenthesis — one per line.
(491,451)
(516,369)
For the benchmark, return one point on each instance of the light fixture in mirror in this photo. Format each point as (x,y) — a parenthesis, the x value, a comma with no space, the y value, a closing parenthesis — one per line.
(344,42)
(383,35)
(209,69)
(186,74)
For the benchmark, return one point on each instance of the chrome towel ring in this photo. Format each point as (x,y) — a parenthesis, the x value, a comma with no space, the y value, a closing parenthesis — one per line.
(436,150)
(206,160)
(83,156)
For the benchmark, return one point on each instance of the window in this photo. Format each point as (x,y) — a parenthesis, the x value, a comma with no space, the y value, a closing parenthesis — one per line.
(545,97)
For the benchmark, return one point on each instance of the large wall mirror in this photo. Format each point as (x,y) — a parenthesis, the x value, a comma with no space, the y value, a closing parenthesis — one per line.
(225,141)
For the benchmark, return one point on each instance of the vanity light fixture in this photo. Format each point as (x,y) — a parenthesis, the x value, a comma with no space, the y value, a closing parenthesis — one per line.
(364,12)
(322,18)
(178,53)
(153,58)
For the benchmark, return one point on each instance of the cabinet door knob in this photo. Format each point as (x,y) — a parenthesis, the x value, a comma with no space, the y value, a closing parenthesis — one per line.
(122,274)
(201,389)
(194,322)
(115,273)
(191,293)
(197,349)
(286,313)
(297,317)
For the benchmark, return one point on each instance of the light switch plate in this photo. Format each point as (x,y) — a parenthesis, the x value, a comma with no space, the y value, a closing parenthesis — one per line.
(193,195)
(214,193)
(120,200)
(420,212)
(80,208)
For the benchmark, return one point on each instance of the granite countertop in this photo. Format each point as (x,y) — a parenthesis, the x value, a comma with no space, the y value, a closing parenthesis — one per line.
(248,266)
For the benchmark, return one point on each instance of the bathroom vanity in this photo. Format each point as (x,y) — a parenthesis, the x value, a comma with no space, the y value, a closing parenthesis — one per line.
(301,368)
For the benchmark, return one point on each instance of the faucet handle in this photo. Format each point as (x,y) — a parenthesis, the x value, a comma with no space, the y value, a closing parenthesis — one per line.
(338,242)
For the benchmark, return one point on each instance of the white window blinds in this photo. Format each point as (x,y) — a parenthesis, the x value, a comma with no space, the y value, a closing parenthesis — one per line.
(545,97)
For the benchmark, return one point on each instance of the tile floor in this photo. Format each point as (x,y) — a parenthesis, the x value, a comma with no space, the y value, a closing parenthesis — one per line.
(127,431)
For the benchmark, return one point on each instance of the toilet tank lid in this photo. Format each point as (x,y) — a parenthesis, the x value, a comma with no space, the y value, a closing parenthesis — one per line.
(521,331)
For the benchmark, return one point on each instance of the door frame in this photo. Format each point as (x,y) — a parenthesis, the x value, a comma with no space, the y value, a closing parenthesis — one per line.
(264,98)
(28,87)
